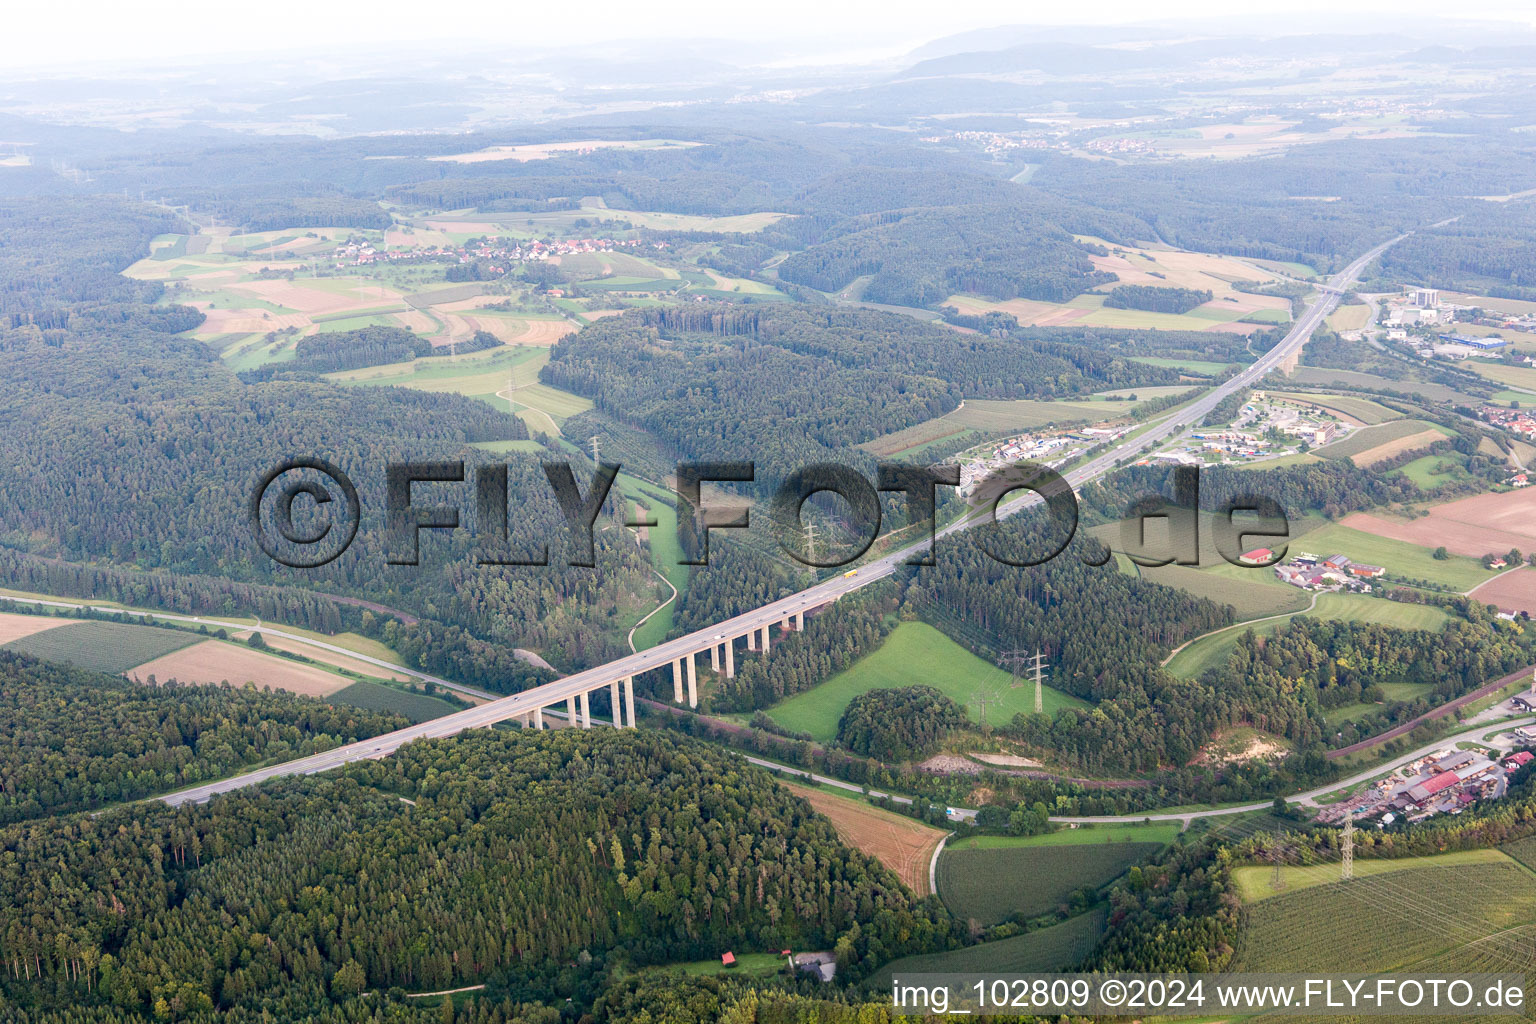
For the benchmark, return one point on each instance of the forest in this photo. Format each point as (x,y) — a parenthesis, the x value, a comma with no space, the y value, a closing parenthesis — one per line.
(147,420)
(72,740)
(1487,250)
(1157,300)
(535,860)
(922,258)
(899,724)
(790,386)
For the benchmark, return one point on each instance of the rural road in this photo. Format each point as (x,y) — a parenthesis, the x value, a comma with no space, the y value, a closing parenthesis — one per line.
(1307,798)
(769,615)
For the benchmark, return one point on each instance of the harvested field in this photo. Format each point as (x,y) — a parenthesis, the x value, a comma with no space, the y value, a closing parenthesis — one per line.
(249,321)
(1511,591)
(328,657)
(1471,526)
(215,661)
(902,844)
(1396,447)
(1025,414)
(1382,436)
(307,297)
(14,627)
(914,436)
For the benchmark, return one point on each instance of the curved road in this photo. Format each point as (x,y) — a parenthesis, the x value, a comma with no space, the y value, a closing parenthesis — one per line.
(823,593)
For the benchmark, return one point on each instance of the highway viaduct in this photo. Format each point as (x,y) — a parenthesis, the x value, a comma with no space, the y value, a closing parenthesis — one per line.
(755,628)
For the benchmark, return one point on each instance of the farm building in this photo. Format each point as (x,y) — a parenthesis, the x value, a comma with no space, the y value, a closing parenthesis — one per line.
(1258,556)
(1368,571)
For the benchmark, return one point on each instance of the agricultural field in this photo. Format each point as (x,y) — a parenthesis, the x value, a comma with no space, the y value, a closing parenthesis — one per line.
(1260,135)
(1356,537)
(1045,949)
(988,416)
(1252,592)
(915,654)
(915,437)
(1192,367)
(16,627)
(988,884)
(1502,373)
(1370,445)
(418,707)
(507,378)
(1511,591)
(1524,851)
(219,661)
(598,218)
(1159,268)
(1413,912)
(545,150)
(903,844)
(1322,376)
(997,417)
(331,658)
(1350,318)
(1255,882)
(1158,832)
(1253,596)
(1351,407)
(113,647)
(1475,526)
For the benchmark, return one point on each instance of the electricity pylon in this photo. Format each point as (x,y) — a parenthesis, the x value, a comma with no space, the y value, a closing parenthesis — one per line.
(983,698)
(1038,664)
(1013,659)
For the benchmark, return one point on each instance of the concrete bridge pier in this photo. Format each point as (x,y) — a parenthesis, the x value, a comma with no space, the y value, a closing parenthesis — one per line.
(618,709)
(677,681)
(570,711)
(766,630)
(714,658)
(752,639)
(586,711)
(629,694)
(730,658)
(693,682)
(538,718)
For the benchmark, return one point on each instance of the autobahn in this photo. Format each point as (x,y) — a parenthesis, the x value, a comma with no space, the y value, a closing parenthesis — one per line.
(773,613)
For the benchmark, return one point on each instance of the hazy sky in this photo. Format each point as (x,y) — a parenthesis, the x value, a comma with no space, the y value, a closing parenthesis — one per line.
(60,35)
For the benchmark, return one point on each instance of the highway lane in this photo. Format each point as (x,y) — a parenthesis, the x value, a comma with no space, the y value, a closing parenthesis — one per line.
(661,656)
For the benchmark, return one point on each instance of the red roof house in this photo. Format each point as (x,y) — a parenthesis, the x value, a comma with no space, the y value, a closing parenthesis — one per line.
(728,959)
(1520,759)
